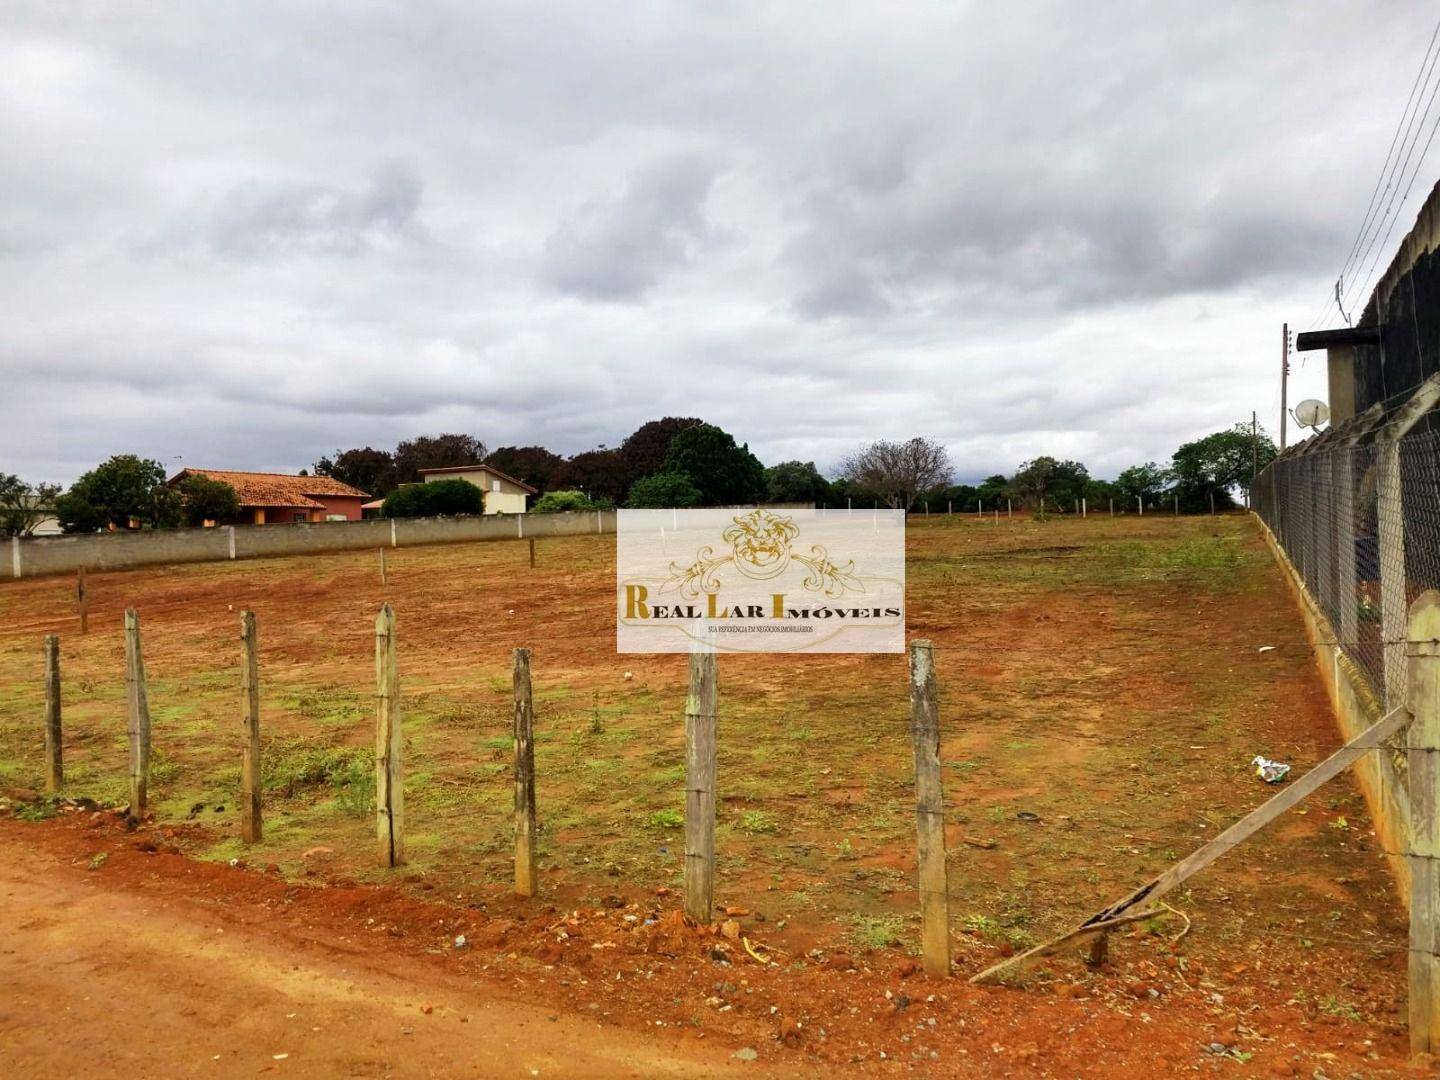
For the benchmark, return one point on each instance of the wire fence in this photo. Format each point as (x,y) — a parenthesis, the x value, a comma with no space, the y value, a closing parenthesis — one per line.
(1358,513)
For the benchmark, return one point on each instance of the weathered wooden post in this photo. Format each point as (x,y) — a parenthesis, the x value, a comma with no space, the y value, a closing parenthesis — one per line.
(54,769)
(525,876)
(389,774)
(700,709)
(138,712)
(250,801)
(384,570)
(81,601)
(532,553)
(929,810)
(1422,753)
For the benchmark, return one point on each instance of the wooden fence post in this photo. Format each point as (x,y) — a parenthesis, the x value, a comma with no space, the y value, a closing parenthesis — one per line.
(138,710)
(929,810)
(700,709)
(81,601)
(525,877)
(1422,753)
(384,575)
(54,769)
(250,801)
(389,776)
(532,553)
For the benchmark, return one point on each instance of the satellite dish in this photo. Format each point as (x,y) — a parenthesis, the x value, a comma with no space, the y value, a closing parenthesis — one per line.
(1311,413)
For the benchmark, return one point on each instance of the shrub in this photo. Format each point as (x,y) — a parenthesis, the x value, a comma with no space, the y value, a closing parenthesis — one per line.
(443,498)
(663,491)
(561,502)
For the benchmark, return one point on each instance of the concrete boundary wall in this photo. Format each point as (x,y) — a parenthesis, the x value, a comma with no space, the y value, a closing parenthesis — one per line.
(1356,707)
(45,555)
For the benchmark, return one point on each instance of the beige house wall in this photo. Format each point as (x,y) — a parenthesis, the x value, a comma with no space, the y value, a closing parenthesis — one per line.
(501,496)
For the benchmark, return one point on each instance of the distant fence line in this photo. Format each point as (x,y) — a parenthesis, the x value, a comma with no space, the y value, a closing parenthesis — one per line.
(46,555)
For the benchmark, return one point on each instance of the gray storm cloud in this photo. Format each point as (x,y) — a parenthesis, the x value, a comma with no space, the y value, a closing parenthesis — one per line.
(246,236)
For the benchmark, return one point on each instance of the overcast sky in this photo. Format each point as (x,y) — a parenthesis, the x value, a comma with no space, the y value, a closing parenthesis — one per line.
(244,235)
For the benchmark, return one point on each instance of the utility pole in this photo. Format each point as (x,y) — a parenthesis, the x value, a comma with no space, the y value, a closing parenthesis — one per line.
(1284,380)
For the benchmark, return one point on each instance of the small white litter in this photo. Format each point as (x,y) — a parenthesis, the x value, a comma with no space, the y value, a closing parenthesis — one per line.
(1272,772)
(1266,648)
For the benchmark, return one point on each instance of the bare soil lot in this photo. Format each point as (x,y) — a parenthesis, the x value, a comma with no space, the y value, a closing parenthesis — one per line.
(1102,694)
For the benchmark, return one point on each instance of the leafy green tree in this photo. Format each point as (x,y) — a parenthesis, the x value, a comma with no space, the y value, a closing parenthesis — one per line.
(796,481)
(1098,494)
(1219,464)
(961,498)
(441,498)
(993,490)
(123,489)
(559,502)
(533,464)
(435,452)
(24,506)
(206,499)
(662,492)
(1148,482)
(600,474)
(1048,484)
(366,468)
(644,450)
(724,472)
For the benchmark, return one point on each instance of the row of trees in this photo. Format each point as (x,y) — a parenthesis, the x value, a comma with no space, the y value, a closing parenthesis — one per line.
(674,461)
(1208,471)
(119,492)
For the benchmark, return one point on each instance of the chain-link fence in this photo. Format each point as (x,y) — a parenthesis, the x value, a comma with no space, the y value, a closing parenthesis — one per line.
(1357,510)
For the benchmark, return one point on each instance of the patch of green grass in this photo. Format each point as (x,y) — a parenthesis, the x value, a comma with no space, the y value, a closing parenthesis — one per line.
(876,931)
(39,810)
(758,821)
(1333,1006)
(347,771)
(667,819)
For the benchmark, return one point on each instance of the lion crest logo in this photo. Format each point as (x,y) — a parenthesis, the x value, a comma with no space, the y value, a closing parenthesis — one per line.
(760,549)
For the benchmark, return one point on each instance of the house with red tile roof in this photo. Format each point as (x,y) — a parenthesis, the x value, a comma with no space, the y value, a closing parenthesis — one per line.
(279,498)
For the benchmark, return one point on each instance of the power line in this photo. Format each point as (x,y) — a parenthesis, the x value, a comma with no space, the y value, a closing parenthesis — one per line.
(1386,176)
(1384,246)
(1394,139)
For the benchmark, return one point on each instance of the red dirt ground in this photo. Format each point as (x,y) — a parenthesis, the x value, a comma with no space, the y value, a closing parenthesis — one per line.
(113,925)
(1104,675)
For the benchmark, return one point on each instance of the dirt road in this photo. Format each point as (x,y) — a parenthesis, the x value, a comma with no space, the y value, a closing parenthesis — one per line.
(101,983)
